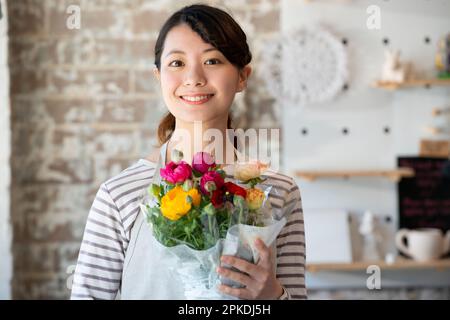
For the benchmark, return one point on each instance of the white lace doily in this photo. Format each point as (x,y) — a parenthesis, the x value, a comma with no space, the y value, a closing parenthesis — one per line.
(308,65)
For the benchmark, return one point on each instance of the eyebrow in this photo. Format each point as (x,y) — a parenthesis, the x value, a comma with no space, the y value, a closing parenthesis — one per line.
(182,52)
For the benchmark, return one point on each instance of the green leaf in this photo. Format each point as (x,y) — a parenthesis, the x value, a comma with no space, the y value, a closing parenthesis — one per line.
(222,173)
(196,174)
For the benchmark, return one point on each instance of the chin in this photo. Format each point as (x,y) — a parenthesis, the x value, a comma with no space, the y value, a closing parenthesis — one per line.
(193,115)
(194,118)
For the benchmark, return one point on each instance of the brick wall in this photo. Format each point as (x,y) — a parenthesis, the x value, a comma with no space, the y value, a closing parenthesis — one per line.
(85,106)
(5,150)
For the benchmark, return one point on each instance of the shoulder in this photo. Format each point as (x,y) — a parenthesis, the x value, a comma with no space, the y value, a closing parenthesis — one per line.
(125,187)
(280,181)
(122,192)
(284,193)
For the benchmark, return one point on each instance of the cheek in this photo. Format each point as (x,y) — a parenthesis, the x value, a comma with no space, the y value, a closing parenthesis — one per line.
(227,82)
(169,83)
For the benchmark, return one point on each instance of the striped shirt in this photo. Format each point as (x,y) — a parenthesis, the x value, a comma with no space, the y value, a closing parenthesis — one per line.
(115,208)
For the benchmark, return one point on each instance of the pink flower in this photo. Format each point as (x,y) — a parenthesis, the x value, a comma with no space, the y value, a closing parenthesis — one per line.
(211,176)
(202,161)
(176,172)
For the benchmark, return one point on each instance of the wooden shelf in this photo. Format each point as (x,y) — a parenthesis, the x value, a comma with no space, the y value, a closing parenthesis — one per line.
(412,83)
(400,264)
(394,175)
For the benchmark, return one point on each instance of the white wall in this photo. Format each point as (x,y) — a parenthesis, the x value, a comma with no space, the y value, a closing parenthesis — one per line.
(5,173)
(365,111)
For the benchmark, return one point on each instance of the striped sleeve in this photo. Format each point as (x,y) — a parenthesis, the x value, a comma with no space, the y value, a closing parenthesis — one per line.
(291,248)
(99,267)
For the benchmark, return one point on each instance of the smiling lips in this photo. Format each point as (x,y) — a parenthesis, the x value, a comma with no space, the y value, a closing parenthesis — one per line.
(196,98)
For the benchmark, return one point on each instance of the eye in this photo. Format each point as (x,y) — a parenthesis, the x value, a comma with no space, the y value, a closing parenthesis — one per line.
(176,63)
(213,61)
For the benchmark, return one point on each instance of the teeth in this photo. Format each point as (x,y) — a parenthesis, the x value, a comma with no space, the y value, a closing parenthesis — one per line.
(198,98)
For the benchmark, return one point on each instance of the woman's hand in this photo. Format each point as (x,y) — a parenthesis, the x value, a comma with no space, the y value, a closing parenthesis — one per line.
(260,280)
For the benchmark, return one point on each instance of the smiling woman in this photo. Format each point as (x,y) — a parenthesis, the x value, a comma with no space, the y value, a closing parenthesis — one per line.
(193,73)
(201,61)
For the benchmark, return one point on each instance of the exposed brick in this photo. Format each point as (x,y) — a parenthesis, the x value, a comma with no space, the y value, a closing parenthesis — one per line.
(81,50)
(149,21)
(45,228)
(125,52)
(85,105)
(39,199)
(59,143)
(70,110)
(51,257)
(27,52)
(88,82)
(105,168)
(84,111)
(100,22)
(116,144)
(75,50)
(28,81)
(39,287)
(112,111)
(145,82)
(26,17)
(109,4)
(149,140)
(50,170)
(26,138)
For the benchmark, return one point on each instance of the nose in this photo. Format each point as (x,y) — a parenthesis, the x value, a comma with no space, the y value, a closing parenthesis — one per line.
(194,76)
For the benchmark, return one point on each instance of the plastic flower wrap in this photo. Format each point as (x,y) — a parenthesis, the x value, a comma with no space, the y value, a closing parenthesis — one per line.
(199,214)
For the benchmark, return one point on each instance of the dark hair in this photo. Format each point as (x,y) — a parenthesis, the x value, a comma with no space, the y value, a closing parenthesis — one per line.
(215,27)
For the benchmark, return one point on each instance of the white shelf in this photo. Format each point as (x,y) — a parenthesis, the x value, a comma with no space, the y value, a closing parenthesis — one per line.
(394,175)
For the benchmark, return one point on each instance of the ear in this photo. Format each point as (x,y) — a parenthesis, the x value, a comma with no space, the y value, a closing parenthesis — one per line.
(244,74)
(156,73)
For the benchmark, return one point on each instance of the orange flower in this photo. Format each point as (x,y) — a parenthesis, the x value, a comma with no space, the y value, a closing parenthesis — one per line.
(247,171)
(255,198)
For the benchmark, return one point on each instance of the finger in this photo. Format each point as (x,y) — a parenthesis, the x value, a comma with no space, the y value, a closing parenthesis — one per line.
(256,272)
(240,264)
(236,276)
(236,292)
(264,254)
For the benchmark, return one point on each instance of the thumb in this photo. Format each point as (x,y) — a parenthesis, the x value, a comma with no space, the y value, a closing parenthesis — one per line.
(263,251)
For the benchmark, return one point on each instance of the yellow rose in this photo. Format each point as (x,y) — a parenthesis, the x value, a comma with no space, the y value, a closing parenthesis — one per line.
(175,205)
(255,198)
(195,195)
(247,171)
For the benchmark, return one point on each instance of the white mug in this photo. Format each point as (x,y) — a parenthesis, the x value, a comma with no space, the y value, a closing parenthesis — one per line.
(424,244)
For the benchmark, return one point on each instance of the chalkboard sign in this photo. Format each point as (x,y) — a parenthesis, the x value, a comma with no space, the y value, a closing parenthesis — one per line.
(424,200)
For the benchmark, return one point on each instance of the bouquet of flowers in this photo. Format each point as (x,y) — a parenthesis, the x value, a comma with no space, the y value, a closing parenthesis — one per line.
(198,215)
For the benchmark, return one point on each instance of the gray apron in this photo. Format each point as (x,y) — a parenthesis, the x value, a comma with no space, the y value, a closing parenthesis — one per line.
(146,273)
(148,265)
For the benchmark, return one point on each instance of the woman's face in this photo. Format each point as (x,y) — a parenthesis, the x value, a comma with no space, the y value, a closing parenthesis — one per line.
(197,81)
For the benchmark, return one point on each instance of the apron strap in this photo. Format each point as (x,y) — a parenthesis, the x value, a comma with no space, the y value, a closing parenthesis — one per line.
(162,159)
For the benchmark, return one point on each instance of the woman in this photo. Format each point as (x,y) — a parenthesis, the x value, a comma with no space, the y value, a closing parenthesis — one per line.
(201,61)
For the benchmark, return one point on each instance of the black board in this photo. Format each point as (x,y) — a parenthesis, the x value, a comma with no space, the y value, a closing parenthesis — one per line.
(424,200)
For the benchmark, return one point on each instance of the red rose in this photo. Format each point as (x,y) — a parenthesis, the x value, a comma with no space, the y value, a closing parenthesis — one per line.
(213,176)
(235,189)
(217,198)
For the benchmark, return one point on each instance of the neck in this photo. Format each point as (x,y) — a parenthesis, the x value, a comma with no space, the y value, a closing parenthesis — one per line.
(208,136)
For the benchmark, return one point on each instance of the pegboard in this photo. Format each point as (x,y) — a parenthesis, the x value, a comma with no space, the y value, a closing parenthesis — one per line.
(365,127)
